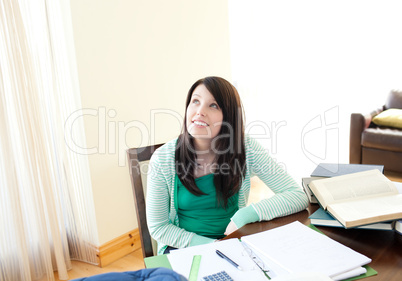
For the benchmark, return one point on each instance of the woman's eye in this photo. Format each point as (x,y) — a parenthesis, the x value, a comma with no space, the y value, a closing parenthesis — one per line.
(214,105)
(196,101)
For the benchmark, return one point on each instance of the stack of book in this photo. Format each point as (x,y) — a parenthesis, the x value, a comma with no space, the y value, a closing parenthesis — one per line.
(364,199)
(321,217)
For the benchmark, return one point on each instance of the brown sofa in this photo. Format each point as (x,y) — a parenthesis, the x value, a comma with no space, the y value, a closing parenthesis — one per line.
(372,144)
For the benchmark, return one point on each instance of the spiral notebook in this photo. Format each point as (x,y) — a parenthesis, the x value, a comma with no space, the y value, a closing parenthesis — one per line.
(289,249)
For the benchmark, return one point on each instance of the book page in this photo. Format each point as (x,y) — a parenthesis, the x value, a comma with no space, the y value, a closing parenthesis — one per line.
(353,273)
(305,276)
(298,248)
(368,211)
(352,187)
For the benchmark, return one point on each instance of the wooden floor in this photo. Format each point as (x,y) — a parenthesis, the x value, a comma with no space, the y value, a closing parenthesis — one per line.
(131,262)
(134,261)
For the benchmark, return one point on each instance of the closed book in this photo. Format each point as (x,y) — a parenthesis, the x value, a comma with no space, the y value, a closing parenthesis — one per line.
(321,217)
(329,170)
(398,226)
(305,184)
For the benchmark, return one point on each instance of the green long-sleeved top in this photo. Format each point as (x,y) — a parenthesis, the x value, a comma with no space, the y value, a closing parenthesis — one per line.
(162,218)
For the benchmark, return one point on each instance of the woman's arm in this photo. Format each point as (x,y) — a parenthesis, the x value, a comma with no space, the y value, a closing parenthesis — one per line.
(289,198)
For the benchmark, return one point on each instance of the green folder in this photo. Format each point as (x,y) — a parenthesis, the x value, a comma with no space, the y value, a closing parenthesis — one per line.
(157,261)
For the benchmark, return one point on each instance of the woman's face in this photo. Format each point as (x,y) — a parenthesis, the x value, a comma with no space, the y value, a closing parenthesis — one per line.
(204,116)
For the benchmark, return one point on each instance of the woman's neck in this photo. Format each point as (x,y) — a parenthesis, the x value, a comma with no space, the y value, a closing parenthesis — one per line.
(202,147)
(205,158)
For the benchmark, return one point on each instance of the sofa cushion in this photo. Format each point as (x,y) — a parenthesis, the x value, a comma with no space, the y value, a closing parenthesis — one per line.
(394,99)
(383,138)
(391,118)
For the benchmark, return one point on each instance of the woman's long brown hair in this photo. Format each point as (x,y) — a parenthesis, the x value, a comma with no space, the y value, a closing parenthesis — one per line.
(228,145)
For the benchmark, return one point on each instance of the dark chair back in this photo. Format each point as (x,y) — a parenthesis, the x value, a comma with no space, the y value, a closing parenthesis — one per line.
(135,157)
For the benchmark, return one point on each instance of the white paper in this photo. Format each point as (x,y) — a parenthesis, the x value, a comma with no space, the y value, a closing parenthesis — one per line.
(355,272)
(211,263)
(305,276)
(297,248)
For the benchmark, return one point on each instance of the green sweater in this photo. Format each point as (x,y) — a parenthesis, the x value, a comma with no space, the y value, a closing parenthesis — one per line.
(162,217)
(203,214)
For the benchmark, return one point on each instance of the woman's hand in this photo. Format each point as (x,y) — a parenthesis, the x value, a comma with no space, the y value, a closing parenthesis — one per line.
(230,228)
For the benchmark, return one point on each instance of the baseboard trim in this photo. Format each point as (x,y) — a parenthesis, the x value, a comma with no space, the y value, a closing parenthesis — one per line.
(119,247)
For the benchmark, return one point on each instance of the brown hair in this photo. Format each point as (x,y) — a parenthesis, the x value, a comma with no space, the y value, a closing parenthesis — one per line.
(228,145)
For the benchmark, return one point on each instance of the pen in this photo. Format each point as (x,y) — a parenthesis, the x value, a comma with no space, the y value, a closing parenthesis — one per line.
(219,253)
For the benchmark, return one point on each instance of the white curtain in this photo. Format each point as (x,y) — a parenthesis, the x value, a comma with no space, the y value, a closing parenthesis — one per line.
(46,205)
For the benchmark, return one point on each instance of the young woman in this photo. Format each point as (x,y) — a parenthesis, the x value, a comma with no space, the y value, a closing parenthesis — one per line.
(199,183)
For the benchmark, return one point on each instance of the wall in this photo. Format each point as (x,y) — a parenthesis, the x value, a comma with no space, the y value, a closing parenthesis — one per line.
(135,57)
(302,67)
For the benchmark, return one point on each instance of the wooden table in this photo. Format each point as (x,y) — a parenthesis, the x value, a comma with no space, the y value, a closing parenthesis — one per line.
(382,246)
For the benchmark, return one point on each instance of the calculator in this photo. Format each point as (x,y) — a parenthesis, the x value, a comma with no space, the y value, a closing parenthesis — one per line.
(220,276)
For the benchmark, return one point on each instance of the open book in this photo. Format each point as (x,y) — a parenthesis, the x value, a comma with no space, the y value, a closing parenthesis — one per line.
(286,250)
(359,199)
